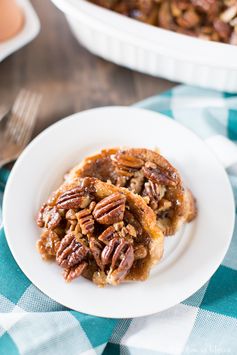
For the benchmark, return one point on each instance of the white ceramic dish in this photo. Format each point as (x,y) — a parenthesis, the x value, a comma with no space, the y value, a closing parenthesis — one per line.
(28,33)
(151,50)
(191,256)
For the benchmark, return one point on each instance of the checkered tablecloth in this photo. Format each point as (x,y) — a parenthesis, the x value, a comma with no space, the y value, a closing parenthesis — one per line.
(206,323)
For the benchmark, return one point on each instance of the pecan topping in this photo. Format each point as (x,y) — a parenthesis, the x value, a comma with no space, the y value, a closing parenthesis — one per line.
(120,254)
(72,224)
(223,29)
(128,232)
(184,16)
(86,221)
(111,209)
(71,215)
(74,198)
(96,249)
(157,175)
(165,17)
(74,272)
(155,193)
(71,252)
(48,217)
(108,234)
(121,180)
(48,244)
(188,19)
(140,252)
(204,5)
(126,164)
(119,274)
(130,219)
(136,182)
(40,218)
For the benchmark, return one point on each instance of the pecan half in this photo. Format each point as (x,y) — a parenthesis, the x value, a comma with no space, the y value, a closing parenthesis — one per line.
(74,198)
(48,244)
(107,253)
(118,230)
(189,19)
(223,29)
(210,8)
(165,18)
(48,217)
(111,209)
(71,252)
(155,193)
(115,251)
(108,234)
(74,272)
(119,274)
(157,175)
(120,254)
(86,221)
(126,164)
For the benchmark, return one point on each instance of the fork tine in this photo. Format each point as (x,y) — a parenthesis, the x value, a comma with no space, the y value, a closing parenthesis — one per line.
(27,103)
(20,125)
(29,121)
(26,114)
(13,121)
(18,112)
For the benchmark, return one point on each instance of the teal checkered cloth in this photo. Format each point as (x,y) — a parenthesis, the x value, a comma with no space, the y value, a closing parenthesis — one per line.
(206,323)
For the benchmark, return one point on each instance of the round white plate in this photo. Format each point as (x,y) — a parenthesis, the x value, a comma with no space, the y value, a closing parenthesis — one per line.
(191,256)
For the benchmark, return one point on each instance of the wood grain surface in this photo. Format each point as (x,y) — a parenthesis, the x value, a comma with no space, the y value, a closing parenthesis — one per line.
(69,77)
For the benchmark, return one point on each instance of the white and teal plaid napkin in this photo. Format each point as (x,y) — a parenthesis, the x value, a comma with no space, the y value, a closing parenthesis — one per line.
(206,323)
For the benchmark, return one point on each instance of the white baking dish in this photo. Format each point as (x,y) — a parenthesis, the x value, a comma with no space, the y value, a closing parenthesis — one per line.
(28,33)
(152,50)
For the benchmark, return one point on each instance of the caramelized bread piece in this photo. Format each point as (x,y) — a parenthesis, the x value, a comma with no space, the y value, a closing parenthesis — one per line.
(147,173)
(103,232)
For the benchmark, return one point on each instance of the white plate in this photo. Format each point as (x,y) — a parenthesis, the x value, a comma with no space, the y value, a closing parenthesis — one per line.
(191,257)
(28,33)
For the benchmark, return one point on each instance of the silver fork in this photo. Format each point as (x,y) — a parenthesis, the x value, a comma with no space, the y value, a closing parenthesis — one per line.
(19,127)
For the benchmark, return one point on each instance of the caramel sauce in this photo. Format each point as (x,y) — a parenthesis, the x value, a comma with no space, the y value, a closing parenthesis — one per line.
(101,169)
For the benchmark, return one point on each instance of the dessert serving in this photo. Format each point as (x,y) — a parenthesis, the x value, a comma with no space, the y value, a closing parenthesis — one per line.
(108,219)
(102,232)
(214,20)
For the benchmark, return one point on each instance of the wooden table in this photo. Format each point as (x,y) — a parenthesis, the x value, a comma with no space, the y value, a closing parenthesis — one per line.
(69,77)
